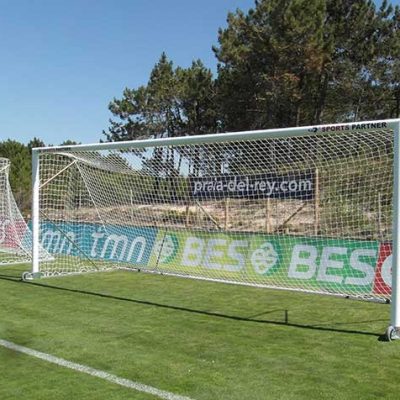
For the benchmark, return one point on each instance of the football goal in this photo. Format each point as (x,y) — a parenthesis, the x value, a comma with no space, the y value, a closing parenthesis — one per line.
(15,235)
(311,209)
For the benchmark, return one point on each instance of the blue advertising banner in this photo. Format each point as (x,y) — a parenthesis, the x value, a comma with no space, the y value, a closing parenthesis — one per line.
(127,244)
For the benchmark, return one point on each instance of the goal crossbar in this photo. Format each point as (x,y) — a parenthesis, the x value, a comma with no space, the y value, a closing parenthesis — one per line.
(227,137)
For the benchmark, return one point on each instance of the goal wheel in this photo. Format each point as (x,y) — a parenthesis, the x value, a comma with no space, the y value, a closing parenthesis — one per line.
(392,333)
(27,276)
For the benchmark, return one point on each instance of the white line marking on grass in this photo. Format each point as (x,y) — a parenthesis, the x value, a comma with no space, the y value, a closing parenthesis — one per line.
(94,372)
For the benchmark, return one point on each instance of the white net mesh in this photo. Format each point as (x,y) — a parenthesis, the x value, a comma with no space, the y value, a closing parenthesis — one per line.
(15,235)
(310,212)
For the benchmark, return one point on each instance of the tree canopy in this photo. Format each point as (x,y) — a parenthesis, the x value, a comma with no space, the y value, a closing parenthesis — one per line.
(175,102)
(20,158)
(301,62)
(283,63)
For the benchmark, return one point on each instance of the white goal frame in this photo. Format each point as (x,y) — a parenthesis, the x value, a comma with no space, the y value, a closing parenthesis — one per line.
(392,124)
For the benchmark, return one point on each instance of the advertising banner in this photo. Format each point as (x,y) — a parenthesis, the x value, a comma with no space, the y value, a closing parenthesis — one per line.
(13,234)
(296,185)
(383,276)
(318,264)
(126,244)
(315,263)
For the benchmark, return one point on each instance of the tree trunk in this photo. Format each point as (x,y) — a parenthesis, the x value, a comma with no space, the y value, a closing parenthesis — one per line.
(323,91)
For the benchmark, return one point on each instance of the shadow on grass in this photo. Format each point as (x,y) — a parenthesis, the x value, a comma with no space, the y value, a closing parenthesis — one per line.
(285,313)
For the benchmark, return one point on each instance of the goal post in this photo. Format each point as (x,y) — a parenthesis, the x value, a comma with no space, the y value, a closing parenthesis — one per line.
(35,213)
(394,327)
(313,209)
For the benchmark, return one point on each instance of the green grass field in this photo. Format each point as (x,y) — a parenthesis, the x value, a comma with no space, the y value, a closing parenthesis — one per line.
(199,339)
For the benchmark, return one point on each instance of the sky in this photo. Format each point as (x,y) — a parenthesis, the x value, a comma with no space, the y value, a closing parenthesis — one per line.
(63,61)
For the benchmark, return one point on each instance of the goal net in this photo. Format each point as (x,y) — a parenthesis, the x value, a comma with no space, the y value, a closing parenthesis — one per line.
(305,209)
(15,235)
